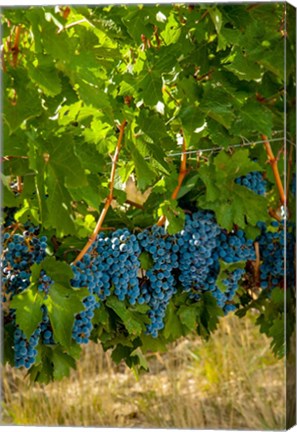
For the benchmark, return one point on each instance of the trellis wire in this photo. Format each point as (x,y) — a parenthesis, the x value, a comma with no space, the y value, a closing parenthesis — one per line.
(215,149)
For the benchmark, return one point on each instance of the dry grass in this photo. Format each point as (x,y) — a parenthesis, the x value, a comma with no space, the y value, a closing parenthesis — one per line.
(231,382)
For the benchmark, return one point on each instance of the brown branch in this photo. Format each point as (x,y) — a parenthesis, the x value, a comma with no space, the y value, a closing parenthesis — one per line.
(274,214)
(181,176)
(134,204)
(19,184)
(7,158)
(109,198)
(170,95)
(203,16)
(253,6)
(273,162)
(15,49)
(257,263)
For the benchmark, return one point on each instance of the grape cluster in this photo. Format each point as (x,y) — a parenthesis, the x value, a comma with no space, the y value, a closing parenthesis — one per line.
(25,350)
(20,252)
(253,181)
(159,283)
(197,243)
(44,283)
(272,252)
(46,331)
(234,247)
(112,262)
(83,321)
(225,298)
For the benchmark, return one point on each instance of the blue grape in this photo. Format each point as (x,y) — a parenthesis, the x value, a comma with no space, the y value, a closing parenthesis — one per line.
(158,285)
(253,181)
(25,350)
(198,241)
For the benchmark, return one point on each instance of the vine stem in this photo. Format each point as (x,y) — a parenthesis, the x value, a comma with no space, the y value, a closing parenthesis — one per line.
(19,184)
(273,162)
(15,48)
(257,263)
(109,198)
(181,176)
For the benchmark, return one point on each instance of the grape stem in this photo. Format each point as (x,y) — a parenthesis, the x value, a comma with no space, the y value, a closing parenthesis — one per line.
(257,263)
(15,49)
(181,176)
(109,198)
(19,184)
(273,162)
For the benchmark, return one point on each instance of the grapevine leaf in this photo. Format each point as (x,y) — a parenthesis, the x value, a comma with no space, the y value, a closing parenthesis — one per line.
(131,324)
(225,270)
(244,68)
(62,363)
(216,18)
(146,260)
(253,118)
(208,315)
(28,310)
(175,217)
(173,328)
(150,87)
(47,78)
(62,305)
(58,271)
(187,315)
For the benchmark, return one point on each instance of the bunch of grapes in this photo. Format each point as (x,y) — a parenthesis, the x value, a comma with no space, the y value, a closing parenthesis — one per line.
(112,261)
(253,181)
(159,284)
(25,350)
(44,283)
(225,298)
(83,321)
(272,242)
(46,331)
(197,243)
(234,247)
(20,252)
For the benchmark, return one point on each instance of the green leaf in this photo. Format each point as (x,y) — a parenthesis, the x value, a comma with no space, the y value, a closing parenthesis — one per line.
(62,363)
(26,106)
(146,260)
(254,117)
(150,87)
(141,360)
(28,310)
(192,120)
(187,315)
(131,324)
(145,175)
(208,315)
(120,352)
(216,18)
(232,203)
(175,217)
(244,68)
(62,305)
(172,31)
(225,270)
(45,75)
(173,328)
